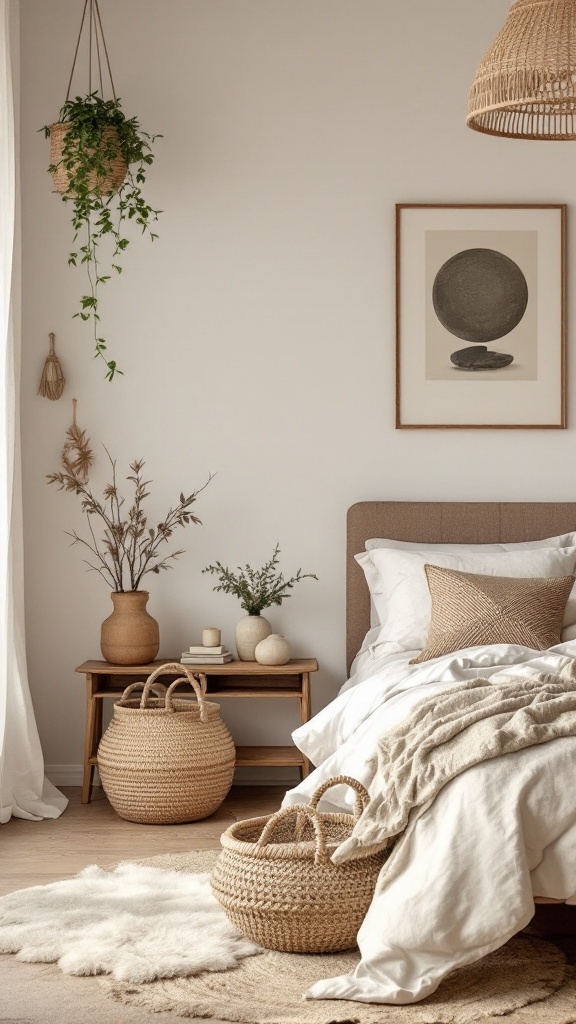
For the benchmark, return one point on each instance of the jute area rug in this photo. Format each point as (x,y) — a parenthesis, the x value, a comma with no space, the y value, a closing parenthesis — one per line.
(528,981)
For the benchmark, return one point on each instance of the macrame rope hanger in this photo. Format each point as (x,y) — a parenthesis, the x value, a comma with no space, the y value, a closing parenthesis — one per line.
(96,43)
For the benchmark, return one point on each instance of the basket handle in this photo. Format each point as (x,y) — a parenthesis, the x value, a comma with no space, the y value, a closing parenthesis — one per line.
(198,684)
(361,800)
(299,811)
(158,688)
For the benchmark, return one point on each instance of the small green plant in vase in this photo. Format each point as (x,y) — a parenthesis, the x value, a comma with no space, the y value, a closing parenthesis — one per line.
(257,589)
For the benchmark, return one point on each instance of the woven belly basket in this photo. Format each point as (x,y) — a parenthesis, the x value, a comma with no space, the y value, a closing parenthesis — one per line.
(166,760)
(278,886)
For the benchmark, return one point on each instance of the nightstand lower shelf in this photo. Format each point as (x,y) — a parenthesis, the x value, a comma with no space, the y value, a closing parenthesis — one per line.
(233,680)
(285,757)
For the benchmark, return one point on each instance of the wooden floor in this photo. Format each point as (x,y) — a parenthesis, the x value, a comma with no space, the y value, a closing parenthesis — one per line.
(37,852)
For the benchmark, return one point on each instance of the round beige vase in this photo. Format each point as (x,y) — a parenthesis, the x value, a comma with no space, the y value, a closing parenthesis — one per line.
(273,650)
(130,636)
(249,632)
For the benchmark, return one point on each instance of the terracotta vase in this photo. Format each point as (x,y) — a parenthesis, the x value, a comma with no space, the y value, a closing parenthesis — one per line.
(273,650)
(249,632)
(130,636)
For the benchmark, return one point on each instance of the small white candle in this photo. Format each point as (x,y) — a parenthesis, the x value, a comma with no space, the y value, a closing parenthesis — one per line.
(211,637)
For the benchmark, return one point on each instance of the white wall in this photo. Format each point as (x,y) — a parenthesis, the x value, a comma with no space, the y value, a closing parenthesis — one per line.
(257,334)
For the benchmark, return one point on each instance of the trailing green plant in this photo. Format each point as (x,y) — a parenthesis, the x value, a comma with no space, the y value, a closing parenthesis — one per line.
(100,133)
(129,547)
(257,588)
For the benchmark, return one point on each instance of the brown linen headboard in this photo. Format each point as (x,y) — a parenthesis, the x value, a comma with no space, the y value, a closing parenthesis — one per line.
(439,522)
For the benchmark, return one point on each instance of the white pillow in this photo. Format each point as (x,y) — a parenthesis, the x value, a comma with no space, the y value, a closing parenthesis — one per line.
(403,599)
(566,540)
(377,615)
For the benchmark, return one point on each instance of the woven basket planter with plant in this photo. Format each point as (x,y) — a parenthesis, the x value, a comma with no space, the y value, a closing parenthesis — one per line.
(99,159)
(277,884)
(102,180)
(165,760)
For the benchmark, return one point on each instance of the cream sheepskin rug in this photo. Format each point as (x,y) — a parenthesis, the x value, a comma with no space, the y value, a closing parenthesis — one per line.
(137,923)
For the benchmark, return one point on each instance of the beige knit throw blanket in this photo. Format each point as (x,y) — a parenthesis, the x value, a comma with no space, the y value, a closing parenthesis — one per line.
(450,732)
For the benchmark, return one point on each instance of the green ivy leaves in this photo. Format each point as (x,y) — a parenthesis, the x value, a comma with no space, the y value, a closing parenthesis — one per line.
(100,134)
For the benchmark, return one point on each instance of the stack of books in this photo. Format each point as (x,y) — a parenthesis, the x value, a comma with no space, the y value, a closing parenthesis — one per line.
(200,655)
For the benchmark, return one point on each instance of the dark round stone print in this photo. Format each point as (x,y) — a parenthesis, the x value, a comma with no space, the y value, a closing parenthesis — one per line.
(480,358)
(480,295)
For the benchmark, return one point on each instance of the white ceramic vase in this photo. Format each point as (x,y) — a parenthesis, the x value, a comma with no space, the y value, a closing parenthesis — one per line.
(273,650)
(249,632)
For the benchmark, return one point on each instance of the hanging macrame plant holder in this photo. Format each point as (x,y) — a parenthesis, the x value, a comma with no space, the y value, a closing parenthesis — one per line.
(52,380)
(108,177)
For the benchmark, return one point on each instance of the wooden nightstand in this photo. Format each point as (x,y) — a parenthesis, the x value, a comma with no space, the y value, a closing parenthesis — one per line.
(239,679)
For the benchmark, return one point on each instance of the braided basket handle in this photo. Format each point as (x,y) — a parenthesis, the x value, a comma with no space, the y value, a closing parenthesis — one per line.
(158,688)
(361,800)
(321,855)
(199,687)
(198,684)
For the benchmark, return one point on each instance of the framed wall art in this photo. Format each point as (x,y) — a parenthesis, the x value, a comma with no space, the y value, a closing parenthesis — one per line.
(480,316)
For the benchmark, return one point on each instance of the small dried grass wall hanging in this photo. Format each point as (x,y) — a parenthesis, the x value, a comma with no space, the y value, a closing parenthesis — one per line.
(77,456)
(52,380)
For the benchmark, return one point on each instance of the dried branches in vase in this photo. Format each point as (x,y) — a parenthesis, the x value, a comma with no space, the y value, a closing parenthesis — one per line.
(129,547)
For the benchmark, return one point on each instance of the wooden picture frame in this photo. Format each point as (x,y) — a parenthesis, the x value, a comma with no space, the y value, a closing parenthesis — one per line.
(480,316)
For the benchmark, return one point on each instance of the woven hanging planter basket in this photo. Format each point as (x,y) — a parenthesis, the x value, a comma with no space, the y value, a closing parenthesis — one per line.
(166,760)
(525,87)
(104,182)
(277,884)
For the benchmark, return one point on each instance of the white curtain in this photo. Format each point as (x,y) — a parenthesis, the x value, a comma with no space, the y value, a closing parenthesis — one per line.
(24,792)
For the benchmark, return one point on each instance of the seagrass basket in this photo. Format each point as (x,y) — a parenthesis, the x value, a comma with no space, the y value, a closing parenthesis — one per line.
(164,760)
(277,884)
(114,164)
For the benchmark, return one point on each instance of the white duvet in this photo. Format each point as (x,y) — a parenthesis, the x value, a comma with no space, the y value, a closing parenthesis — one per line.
(460,882)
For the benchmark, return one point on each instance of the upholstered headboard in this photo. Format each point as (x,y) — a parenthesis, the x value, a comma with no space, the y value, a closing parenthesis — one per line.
(439,522)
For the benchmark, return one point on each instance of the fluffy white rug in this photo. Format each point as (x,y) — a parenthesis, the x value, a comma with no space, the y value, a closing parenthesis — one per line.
(136,923)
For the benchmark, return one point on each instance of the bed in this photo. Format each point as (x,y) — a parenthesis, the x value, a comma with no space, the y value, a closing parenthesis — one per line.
(338,740)
(440,522)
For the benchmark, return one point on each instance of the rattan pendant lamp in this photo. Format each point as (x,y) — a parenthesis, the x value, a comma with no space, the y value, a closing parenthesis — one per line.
(525,87)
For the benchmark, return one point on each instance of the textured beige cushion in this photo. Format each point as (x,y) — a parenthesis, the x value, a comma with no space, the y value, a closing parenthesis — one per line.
(468,610)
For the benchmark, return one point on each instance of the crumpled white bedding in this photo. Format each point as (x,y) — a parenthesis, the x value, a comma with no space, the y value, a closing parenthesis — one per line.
(460,881)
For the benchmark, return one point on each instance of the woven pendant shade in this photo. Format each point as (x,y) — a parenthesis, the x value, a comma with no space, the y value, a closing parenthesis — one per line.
(525,87)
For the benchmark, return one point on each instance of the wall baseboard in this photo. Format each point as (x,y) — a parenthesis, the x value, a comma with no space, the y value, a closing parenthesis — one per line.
(71,775)
(64,774)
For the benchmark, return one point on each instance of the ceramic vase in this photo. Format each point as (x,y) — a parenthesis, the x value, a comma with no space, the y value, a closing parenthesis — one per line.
(273,650)
(249,632)
(130,636)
